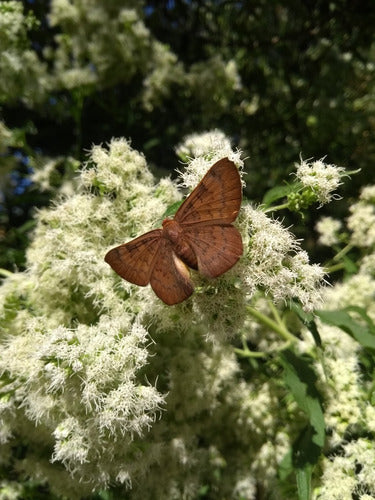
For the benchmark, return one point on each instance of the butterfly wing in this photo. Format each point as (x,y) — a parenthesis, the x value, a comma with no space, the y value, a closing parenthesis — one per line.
(170,278)
(217,247)
(216,199)
(134,261)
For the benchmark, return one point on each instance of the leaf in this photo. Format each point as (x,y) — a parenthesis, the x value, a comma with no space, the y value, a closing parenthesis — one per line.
(308,320)
(350,266)
(363,334)
(300,377)
(172,209)
(303,477)
(363,313)
(278,192)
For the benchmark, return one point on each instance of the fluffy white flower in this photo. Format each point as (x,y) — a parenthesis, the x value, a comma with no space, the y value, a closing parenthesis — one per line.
(205,150)
(277,264)
(362,219)
(204,144)
(322,178)
(328,229)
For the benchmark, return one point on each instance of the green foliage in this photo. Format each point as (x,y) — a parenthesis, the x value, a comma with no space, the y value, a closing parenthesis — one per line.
(299,376)
(362,333)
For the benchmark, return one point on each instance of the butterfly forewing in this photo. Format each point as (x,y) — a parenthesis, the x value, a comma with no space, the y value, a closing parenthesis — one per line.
(134,261)
(216,199)
(217,247)
(170,278)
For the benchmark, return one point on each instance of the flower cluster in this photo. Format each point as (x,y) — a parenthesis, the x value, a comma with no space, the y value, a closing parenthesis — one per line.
(23,75)
(322,178)
(109,385)
(349,414)
(318,182)
(276,263)
(204,144)
(329,231)
(361,222)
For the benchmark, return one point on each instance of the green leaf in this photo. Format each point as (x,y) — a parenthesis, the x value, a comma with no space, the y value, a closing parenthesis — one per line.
(151,143)
(172,209)
(286,465)
(363,313)
(364,334)
(350,266)
(308,320)
(303,477)
(278,192)
(300,377)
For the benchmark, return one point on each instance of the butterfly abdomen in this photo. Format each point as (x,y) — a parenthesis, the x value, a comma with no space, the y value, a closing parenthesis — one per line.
(173,232)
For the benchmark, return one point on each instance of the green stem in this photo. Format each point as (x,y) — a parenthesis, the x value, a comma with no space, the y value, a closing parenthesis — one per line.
(275,313)
(343,252)
(246,353)
(334,268)
(270,323)
(276,207)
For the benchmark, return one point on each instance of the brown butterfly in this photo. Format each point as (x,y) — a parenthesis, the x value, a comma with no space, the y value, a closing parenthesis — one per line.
(200,236)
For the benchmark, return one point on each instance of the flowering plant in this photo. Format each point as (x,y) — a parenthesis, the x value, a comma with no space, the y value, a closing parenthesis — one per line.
(103,384)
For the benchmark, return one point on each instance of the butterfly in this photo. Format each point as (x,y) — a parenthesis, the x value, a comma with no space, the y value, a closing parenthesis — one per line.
(200,236)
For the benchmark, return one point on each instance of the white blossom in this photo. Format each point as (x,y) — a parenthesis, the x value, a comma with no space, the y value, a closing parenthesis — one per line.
(277,264)
(362,219)
(328,229)
(322,178)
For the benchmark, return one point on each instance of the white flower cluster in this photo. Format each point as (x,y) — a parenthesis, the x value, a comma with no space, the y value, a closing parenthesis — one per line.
(277,264)
(322,178)
(213,82)
(204,144)
(329,230)
(23,75)
(109,385)
(166,71)
(349,471)
(361,222)
(99,44)
(86,378)
(204,150)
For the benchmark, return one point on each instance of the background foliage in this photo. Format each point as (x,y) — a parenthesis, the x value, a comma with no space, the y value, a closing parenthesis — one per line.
(281,79)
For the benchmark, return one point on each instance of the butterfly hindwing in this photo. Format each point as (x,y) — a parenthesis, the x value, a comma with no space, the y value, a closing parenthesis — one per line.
(217,247)
(170,278)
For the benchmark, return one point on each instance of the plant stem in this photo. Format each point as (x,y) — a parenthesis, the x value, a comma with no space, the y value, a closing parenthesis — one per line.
(276,207)
(270,323)
(334,268)
(343,252)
